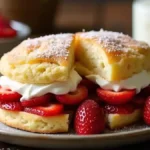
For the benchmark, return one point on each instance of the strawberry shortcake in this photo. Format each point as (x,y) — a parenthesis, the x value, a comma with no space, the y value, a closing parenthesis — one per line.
(38,79)
(120,66)
(99,79)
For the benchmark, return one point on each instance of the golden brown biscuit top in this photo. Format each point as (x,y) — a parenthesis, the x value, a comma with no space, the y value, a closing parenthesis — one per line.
(53,45)
(114,41)
(51,48)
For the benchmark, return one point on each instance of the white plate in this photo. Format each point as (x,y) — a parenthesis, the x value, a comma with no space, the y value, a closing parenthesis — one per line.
(128,135)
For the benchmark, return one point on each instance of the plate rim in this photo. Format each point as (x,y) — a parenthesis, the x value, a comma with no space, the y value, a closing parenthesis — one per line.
(135,132)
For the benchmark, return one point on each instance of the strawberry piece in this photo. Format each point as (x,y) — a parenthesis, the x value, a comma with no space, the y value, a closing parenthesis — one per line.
(146,114)
(49,110)
(89,118)
(91,86)
(14,106)
(7,32)
(112,97)
(73,98)
(119,109)
(6,95)
(37,101)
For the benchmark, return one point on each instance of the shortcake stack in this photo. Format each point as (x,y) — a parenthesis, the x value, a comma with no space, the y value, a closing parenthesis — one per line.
(35,74)
(101,76)
(120,66)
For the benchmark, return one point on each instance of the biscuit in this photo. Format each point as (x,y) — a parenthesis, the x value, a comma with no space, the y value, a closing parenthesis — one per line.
(112,55)
(115,121)
(34,123)
(41,60)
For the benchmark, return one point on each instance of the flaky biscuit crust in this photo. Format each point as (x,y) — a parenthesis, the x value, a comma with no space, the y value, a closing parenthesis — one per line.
(112,55)
(41,60)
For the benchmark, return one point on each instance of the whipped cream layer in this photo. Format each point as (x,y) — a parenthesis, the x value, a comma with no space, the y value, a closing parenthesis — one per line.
(33,90)
(137,81)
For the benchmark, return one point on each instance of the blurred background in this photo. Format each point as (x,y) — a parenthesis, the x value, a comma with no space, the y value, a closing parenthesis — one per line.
(75,15)
(55,16)
(46,16)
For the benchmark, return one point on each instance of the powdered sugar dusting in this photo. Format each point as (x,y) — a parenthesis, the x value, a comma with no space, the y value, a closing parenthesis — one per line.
(52,45)
(114,41)
(32,43)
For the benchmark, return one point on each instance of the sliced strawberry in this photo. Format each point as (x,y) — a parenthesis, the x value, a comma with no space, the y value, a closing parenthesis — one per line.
(14,106)
(49,110)
(119,109)
(37,101)
(6,95)
(7,32)
(112,97)
(73,98)
(91,86)
(89,118)
(146,114)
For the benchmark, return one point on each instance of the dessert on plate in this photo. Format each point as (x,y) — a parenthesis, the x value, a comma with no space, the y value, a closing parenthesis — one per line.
(35,73)
(120,66)
(101,77)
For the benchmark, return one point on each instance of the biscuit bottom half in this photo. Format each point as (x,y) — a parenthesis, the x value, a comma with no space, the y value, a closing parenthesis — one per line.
(115,121)
(34,123)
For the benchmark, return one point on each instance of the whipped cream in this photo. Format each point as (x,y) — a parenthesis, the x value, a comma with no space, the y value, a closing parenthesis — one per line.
(137,81)
(33,90)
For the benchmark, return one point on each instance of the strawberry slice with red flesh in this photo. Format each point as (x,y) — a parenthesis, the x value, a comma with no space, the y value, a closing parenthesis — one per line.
(112,97)
(119,109)
(6,95)
(49,110)
(73,98)
(14,106)
(89,118)
(37,101)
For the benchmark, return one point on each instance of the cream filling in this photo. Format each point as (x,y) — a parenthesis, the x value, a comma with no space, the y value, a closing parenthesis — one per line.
(137,81)
(33,90)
